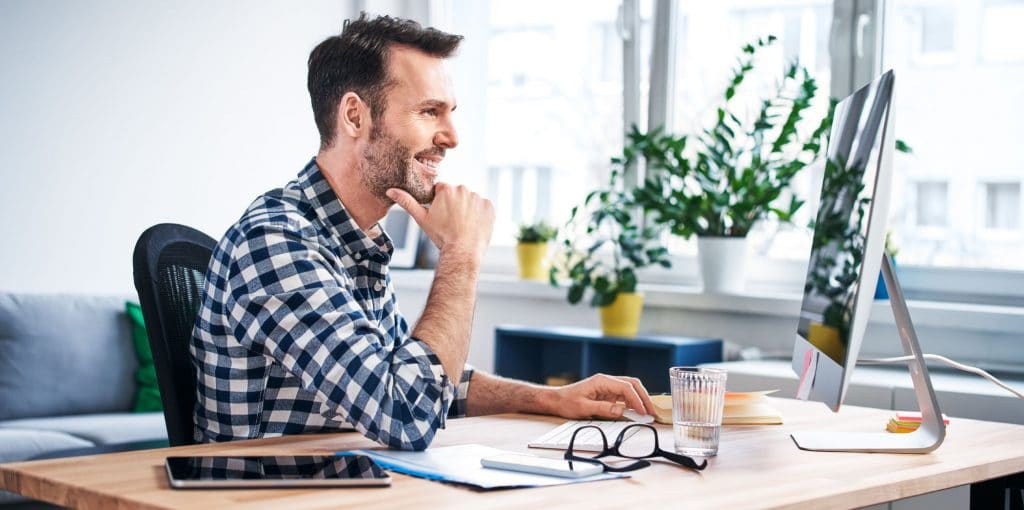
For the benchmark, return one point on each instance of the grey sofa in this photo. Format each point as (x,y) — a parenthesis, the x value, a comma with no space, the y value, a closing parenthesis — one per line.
(67,378)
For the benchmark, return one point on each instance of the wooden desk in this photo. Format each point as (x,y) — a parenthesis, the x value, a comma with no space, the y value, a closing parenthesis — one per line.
(757,467)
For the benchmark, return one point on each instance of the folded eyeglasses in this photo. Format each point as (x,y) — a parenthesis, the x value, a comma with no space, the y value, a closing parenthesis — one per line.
(643,444)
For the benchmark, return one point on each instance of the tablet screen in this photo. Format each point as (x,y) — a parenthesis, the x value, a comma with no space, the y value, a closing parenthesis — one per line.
(274,471)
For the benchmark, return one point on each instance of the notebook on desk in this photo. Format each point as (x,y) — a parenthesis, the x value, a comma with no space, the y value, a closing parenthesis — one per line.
(741,408)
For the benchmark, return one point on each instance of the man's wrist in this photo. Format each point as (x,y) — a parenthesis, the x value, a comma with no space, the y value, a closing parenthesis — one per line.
(464,257)
(546,400)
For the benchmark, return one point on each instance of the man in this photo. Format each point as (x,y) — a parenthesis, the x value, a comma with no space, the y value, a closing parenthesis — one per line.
(299,330)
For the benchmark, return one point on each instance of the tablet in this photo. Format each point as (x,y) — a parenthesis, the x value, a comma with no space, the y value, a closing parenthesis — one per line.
(541,465)
(274,472)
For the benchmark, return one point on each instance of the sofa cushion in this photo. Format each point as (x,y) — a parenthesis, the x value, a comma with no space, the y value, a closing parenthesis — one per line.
(64,355)
(18,445)
(99,429)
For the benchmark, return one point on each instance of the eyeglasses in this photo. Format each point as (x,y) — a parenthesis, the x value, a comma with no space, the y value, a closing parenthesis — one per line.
(643,444)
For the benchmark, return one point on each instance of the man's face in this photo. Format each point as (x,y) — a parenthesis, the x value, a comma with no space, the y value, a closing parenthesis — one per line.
(408,143)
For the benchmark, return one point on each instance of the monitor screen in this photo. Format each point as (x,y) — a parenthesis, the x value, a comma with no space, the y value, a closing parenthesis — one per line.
(847,246)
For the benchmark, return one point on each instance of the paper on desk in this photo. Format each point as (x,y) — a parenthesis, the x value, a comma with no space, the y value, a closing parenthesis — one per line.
(461,464)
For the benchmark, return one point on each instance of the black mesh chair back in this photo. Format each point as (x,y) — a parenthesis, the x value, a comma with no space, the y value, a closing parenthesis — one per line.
(169,264)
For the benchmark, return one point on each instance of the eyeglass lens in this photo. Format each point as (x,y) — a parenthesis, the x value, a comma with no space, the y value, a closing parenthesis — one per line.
(637,442)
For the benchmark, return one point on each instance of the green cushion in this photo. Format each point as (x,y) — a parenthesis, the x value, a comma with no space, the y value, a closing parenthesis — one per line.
(148,397)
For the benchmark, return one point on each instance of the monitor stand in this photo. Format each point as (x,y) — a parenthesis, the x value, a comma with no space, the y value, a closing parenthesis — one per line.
(932,431)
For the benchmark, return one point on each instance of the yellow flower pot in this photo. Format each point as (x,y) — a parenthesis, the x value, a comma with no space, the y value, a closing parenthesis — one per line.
(532,260)
(622,317)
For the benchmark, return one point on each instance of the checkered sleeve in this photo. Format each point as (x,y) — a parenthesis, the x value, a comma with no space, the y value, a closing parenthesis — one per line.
(287,304)
(458,408)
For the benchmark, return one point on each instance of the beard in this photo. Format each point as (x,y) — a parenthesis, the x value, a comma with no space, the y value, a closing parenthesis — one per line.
(385,165)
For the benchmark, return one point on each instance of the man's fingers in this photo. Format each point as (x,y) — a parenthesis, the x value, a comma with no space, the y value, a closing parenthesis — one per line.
(405,201)
(624,389)
(642,393)
(603,409)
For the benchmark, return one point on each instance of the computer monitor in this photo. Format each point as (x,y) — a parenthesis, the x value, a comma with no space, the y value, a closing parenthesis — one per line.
(846,256)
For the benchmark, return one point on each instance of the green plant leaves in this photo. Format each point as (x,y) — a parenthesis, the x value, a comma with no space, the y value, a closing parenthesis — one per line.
(575,293)
(613,245)
(718,182)
(539,232)
(736,171)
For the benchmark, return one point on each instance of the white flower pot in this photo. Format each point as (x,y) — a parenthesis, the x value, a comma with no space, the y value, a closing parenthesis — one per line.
(723,263)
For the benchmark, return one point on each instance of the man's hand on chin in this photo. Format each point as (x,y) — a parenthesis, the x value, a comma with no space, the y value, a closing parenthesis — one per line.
(601,396)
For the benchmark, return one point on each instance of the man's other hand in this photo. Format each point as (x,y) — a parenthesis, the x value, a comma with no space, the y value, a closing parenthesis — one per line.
(457,220)
(601,396)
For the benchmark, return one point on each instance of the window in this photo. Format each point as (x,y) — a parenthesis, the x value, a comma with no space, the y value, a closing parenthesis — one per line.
(927,32)
(932,204)
(1001,37)
(540,87)
(960,122)
(937,30)
(1001,203)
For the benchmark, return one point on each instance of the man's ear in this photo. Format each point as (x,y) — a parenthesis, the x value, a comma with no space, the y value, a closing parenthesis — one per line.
(353,115)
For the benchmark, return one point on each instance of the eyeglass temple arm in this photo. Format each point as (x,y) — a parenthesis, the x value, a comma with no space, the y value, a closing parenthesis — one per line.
(684,460)
(638,464)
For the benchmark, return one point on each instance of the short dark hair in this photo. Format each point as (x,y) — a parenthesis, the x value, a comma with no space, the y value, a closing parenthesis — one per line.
(356,60)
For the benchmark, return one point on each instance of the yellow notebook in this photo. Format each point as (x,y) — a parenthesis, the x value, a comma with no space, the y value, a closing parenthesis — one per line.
(741,408)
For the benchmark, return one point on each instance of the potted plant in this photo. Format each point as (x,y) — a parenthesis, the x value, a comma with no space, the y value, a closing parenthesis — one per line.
(719,183)
(532,249)
(602,247)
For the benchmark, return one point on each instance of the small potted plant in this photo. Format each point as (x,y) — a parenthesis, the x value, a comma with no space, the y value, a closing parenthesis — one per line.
(602,248)
(718,184)
(532,249)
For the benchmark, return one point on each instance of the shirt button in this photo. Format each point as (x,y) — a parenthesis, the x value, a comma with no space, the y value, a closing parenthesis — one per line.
(358,256)
(377,286)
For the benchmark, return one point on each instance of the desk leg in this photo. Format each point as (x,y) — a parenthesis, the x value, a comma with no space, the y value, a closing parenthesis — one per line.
(992,494)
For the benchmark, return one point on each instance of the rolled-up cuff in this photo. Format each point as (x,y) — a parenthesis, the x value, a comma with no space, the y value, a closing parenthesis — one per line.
(439,386)
(458,408)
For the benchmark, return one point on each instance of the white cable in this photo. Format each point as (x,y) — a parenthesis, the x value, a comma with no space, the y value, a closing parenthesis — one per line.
(954,364)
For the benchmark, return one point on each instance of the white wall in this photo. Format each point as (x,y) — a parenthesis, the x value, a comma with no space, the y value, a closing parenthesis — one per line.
(116,115)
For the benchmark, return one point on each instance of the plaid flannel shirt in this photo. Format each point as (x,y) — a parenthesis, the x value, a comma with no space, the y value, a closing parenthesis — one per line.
(298,330)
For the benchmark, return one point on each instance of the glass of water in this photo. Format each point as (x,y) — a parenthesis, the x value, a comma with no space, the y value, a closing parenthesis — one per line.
(698,397)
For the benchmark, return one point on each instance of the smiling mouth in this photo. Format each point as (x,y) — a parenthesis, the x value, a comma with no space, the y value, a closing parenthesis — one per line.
(429,164)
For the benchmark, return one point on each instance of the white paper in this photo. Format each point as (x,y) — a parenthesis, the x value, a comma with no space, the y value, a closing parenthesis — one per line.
(461,464)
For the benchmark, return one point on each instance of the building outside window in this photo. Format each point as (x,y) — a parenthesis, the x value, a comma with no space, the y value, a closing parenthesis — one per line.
(1002,205)
(931,204)
(961,117)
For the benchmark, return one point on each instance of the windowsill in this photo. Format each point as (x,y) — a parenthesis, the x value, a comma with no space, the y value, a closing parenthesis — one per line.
(757,301)
(960,395)
(943,378)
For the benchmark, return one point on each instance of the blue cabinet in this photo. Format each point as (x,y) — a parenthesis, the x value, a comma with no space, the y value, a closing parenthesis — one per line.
(535,354)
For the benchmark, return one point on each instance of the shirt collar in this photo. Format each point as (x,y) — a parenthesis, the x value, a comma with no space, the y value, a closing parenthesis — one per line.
(333,214)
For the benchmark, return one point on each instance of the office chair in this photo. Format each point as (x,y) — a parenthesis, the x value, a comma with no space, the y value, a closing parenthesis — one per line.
(169,266)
